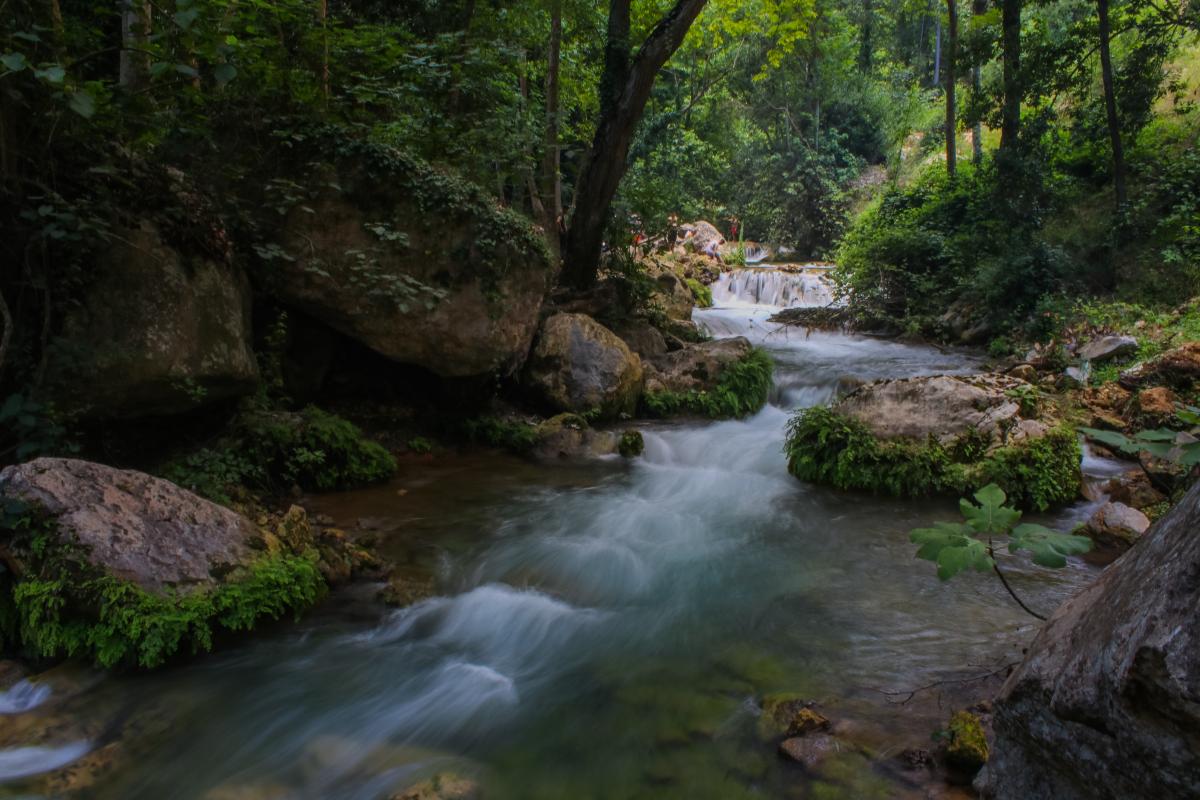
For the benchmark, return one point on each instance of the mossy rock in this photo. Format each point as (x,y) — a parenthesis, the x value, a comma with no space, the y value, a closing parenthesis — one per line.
(721,379)
(632,444)
(702,293)
(787,714)
(122,569)
(966,745)
(826,447)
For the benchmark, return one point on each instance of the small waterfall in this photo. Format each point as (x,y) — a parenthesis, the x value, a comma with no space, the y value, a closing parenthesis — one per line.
(772,287)
(755,252)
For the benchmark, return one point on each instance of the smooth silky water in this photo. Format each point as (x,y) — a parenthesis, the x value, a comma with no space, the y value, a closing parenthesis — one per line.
(603,629)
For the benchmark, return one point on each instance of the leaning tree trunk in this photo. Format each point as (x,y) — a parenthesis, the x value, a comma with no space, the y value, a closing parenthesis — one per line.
(1010,125)
(624,89)
(951,116)
(1110,105)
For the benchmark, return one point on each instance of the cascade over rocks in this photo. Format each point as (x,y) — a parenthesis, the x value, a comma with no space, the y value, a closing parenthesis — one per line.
(695,367)
(1106,704)
(416,265)
(159,331)
(578,365)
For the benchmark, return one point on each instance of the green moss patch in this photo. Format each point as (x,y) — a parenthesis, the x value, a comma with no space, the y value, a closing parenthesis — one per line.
(742,389)
(966,746)
(702,293)
(61,606)
(829,448)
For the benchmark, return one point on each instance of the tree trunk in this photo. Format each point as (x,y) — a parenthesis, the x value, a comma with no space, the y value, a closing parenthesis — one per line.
(1110,105)
(937,52)
(951,115)
(323,19)
(551,164)
(980,7)
(866,45)
(1010,127)
(624,90)
(134,67)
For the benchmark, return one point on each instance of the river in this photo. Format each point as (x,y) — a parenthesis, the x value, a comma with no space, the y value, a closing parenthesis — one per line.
(604,629)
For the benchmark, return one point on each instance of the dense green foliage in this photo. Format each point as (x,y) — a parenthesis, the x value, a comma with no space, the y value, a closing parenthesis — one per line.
(826,447)
(63,607)
(741,389)
(515,436)
(273,451)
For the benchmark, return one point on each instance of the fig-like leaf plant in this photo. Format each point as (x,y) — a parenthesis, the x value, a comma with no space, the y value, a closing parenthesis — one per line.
(970,544)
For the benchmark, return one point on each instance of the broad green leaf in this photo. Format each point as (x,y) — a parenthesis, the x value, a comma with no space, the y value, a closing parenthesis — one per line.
(83,104)
(991,516)
(1157,435)
(224,73)
(1189,454)
(158,68)
(1049,548)
(54,73)
(184,19)
(1110,438)
(952,548)
(14,62)
(1190,415)
(187,69)
(954,560)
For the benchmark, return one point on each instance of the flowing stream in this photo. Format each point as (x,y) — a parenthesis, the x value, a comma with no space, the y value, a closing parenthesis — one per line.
(603,629)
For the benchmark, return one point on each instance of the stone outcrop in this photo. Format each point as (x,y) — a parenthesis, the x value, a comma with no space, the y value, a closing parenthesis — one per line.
(415,265)
(694,367)
(697,236)
(580,366)
(942,406)
(570,436)
(134,526)
(1106,705)
(1105,348)
(1178,368)
(158,331)
(642,337)
(1115,527)
(671,291)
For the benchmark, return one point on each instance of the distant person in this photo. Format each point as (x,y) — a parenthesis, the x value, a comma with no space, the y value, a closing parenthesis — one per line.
(713,250)
(672,232)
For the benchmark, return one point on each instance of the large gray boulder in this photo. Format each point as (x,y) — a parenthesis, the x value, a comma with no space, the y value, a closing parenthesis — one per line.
(941,406)
(159,330)
(1106,705)
(578,365)
(415,265)
(695,367)
(1108,347)
(134,526)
